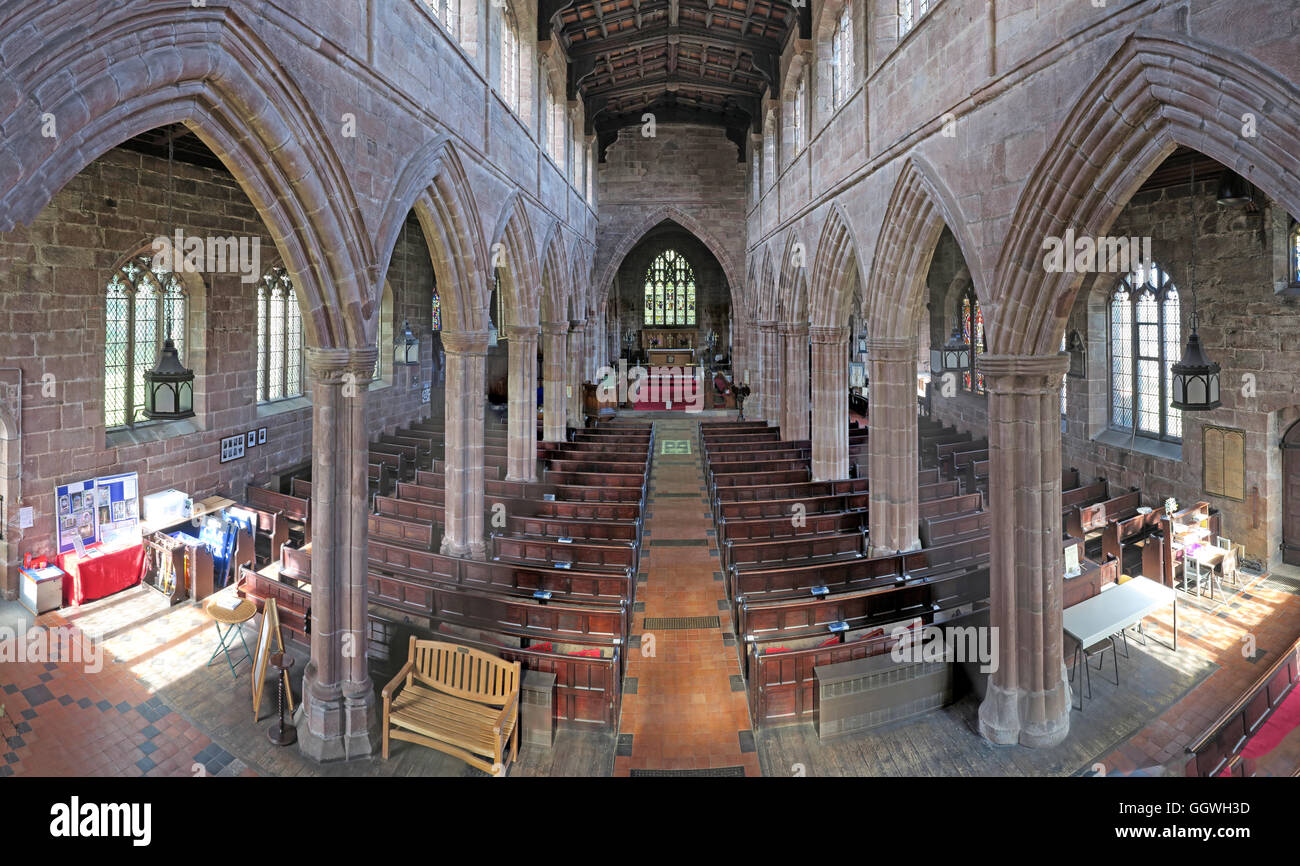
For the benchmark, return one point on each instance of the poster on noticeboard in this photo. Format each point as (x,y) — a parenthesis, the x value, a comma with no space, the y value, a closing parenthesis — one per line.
(97,510)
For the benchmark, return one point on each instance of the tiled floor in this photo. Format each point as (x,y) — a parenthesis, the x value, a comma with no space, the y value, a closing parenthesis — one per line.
(98,716)
(684,714)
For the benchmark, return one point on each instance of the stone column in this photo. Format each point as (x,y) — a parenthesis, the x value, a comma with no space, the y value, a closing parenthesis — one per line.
(466,386)
(893,459)
(1028,698)
(521,462)
(555,366)
(830,403)
(579,353)
(340,719)
(769,362)
(794,396)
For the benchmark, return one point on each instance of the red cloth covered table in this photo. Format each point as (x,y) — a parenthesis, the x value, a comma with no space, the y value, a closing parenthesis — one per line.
(97,576)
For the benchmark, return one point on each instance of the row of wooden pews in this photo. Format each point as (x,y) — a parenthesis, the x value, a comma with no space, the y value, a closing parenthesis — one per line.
(804,591)
(556,591)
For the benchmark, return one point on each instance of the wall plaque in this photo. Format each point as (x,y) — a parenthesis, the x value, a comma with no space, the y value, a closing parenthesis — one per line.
(1223,455)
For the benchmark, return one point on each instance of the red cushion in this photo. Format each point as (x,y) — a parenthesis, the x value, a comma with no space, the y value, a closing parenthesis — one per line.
(830,641)
(541,647)
(588,653)
(775,649)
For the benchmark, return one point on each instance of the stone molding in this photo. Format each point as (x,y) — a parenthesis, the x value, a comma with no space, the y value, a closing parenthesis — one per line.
(337,366)
(1023,374)
(465,342)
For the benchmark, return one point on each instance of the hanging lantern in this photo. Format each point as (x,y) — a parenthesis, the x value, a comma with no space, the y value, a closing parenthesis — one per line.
(406,351)
(169,387)
(1233,190)
(1196,377)
(956,352)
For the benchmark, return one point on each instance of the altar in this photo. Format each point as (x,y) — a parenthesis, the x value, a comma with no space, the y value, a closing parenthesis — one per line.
(671,357)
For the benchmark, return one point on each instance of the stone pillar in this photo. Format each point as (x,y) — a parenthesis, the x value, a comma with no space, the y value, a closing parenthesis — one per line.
(769,362)
(893,460)
(340,719)
(830,403)
(794,394)
(1028,699)
(579,353)
(555,366)
(466,386)
(521,462)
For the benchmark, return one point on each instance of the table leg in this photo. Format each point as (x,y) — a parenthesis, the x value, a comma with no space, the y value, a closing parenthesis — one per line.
(1175,623)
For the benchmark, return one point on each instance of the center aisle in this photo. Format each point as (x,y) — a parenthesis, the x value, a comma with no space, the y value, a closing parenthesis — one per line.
(684,706)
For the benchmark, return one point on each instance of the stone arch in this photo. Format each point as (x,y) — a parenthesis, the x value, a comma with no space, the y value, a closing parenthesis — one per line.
(837,272)
(1157,93)
(435,185)
(918,210)
(514,251)
(792,292)
(555,294)
(767,288)
(228,88)
(686,221)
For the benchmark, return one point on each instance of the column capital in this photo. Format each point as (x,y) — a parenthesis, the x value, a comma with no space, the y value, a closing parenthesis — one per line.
(824,334)
(465,342)
(577,325)
(337,366)
(1023,374)
(768,326)
(892,348)
(555,329)
(521,332)
(792,329)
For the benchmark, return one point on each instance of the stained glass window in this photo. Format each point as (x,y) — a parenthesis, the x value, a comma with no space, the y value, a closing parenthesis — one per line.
(279,338)
(1064,380)
(972,330)
(910,12)
(842,57)
(437,310)
(1145,342)
(142,304)
(448,12)
(1295,252)
(509,60)
(670,290)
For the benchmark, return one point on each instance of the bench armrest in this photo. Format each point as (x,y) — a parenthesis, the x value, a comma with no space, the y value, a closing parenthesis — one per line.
(511,704)
(396,681)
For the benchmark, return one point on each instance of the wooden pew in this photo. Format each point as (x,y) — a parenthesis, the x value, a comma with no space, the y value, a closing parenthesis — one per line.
(293,604)
(297,511)
(751,479)
(589,556)
(1091,518)
(936,508)
(843,576)
(776,552)
(946,529)
(785,508)
(771,528)
(421,535)
(573,585)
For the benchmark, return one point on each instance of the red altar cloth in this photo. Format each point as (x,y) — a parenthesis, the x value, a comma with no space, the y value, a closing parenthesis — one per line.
(97,576)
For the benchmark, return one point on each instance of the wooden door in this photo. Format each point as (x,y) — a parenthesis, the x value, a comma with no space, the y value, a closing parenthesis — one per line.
(1291,495)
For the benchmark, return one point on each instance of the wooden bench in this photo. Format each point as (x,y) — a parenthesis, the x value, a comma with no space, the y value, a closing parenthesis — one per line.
(786,508)
(592,557)
(943,530)
(800,581)
(814,548)
(296,510)
(458,700)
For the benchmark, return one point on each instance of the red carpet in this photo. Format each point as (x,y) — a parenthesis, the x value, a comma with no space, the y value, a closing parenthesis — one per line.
(1283,721)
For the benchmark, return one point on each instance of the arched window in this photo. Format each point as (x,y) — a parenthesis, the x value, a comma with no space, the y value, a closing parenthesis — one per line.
(972,329)
(800,114)
(670,290)
(279,338)
(1145,338)
(144,304)
(910,13)
(556,126)
(1295,253)
(448,12)
(437,310)
(842,57)
(509,60)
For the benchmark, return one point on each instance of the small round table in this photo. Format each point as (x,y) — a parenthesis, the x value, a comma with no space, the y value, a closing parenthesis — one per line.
(233,620)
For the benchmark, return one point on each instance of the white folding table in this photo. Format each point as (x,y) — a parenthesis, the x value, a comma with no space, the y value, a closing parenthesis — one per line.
(1120,607)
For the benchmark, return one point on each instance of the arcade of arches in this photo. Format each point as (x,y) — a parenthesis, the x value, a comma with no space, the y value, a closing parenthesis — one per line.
(681,361)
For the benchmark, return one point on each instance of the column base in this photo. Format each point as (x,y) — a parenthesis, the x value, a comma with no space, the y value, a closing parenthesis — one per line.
(914,544)
(335,726)
(1002,722)
(478,550)
(449,548)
